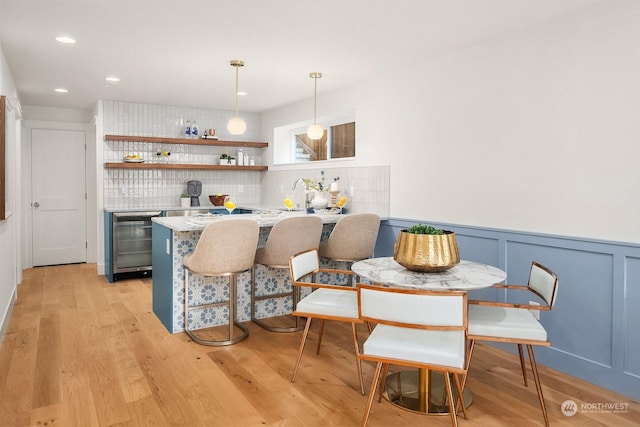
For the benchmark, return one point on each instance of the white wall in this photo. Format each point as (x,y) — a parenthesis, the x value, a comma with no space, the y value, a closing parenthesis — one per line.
(9,270)
(534,131)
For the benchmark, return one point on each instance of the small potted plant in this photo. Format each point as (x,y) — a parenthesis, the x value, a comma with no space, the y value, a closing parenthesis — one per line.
(185,200)
(425,248)
(227,160)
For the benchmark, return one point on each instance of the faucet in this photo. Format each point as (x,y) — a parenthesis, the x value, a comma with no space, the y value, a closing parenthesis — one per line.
(296,183)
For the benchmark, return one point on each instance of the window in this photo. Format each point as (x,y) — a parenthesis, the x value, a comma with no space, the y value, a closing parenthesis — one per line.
(292,145)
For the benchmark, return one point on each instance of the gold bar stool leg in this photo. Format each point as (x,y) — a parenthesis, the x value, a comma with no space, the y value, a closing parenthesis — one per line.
(232,304)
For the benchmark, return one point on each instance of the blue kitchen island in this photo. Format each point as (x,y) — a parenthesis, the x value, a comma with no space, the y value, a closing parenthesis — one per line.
(175,237)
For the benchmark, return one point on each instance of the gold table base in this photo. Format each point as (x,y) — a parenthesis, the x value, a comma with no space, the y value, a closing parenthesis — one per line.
(420,391)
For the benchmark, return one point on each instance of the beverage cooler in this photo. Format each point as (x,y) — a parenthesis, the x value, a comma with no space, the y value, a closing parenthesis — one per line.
(130,245)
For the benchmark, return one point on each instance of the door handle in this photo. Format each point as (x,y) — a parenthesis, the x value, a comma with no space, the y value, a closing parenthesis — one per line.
(36,205)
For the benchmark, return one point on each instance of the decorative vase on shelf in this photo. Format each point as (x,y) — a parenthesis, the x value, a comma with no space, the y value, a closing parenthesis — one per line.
(320,200)
(185,202)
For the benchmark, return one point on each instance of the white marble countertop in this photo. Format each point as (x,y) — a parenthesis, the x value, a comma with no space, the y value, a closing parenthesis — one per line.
(193,223)
(206,206)
(466,275)
(166,208)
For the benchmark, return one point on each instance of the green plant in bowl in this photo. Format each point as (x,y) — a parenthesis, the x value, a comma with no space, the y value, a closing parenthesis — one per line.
(424,229)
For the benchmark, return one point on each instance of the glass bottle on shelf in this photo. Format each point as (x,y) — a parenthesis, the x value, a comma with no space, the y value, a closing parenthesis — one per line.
(240,157)
(187,129)
(194,129)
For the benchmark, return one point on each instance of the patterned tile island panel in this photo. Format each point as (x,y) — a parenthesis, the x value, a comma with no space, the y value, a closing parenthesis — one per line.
(208,290)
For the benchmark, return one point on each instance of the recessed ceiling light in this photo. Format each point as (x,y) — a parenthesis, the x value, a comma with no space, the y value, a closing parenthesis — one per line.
(112,79)
(61,90)
(65,39)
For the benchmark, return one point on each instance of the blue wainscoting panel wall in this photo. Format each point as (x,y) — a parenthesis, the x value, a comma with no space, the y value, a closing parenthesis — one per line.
(631,326)
(594,326)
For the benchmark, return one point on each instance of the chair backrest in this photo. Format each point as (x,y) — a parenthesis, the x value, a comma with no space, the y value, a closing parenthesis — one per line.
(414,308)
(288,237)
(225,246)
(304,263)
(543,282)
(353,238)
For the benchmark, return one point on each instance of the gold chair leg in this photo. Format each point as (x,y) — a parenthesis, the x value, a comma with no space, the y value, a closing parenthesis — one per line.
(356,350)
(452,411)
(301,349)
(374,384)
(522,365)
(320,332)
(472,345)
(460,392)
(383,382)
(536,378)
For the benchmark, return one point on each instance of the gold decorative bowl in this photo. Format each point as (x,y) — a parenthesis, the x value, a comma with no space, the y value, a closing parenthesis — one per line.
(426,252)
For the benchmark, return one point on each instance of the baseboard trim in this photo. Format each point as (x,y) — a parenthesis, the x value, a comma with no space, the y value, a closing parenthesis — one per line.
(7,314)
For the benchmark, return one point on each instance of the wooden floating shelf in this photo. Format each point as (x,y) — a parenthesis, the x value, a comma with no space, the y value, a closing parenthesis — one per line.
(123,165)
(167,140)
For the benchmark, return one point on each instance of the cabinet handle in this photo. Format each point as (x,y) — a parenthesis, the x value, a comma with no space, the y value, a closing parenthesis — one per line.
(36,205)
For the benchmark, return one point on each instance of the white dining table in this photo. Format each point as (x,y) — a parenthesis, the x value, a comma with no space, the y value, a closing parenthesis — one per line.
(422,390)
(465,276)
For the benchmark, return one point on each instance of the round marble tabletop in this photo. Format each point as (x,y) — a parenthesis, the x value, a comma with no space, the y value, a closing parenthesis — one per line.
(467,275)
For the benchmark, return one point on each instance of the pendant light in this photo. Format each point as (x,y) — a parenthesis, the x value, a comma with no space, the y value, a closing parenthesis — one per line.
(315,131)
(236,126)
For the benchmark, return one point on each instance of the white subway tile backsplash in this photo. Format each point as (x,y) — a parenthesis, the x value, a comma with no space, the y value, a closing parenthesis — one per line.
(162,188)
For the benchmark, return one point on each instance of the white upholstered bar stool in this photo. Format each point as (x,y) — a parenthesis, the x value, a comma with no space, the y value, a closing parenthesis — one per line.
(352,239)
(225,248)
(288,237)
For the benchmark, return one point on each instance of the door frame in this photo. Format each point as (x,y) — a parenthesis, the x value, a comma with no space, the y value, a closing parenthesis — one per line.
(90,185)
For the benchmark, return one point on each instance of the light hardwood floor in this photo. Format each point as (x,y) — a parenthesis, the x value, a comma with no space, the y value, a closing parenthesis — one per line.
(82,352)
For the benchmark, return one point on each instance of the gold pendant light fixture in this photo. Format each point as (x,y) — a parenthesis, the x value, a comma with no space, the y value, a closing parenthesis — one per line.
(236,126)
(315,131)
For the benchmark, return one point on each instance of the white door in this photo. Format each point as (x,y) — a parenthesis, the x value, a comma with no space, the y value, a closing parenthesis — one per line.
(58,196)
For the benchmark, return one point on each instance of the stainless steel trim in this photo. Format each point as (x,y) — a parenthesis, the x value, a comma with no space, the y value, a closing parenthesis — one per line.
(129,214)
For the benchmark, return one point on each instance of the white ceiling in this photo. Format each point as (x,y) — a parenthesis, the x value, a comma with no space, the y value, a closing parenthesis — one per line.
(176,52)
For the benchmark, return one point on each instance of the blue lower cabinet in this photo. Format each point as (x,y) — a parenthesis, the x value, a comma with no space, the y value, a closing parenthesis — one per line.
(108,246)
(162,265)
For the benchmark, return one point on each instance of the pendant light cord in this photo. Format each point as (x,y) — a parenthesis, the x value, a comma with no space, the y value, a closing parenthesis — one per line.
(315,97)
(236,91)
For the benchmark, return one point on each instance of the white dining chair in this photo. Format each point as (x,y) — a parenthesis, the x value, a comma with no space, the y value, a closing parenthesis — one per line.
(421,329)
(327,301)
(513,323)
